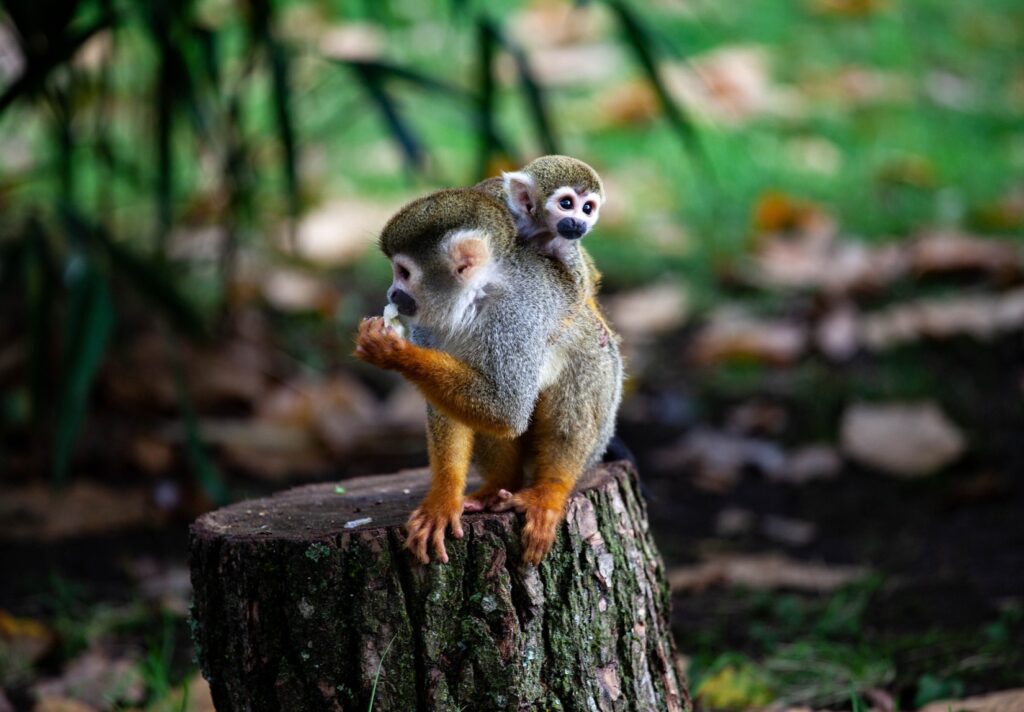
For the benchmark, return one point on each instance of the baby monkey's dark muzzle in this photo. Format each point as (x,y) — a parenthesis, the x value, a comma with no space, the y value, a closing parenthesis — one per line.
(571,228)
(405,303)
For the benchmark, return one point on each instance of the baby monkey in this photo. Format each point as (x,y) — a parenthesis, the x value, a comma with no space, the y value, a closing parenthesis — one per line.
(555,201)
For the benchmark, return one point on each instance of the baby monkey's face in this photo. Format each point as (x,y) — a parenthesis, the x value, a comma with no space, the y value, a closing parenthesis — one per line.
(572,212)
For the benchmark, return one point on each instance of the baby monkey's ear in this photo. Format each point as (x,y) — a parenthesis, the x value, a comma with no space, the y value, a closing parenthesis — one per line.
(468,252)
(519,187)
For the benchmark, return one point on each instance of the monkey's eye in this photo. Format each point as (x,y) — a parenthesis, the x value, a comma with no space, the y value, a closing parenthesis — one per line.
(588,207)
(403,271)
(565,203)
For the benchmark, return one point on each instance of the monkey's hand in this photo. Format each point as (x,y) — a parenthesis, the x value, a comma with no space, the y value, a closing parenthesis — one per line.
(379,344)
(427,525)
(486,498)
(544,508)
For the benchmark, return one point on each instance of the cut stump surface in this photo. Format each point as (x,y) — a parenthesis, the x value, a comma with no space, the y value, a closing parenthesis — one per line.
(307,601)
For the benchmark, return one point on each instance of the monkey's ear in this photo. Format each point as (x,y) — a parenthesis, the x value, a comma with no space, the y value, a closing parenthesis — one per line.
(468,253)
(519,187)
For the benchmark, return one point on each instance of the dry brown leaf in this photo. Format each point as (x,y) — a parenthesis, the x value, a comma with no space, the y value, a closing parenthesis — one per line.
(838,334)
(788,531)
(544,24)
(981,317)
(292,290)
(649,311)
(778,212)
(266,449)
(37,511)
(818,261)
(1004,701)
(352,41)
(630,103)
(902,439)
(762,572)
(718,459)
(61,704)
(954,252)
(23,643)
(97,680)
(730,85)
(339,232)
(857,86)
(732,336)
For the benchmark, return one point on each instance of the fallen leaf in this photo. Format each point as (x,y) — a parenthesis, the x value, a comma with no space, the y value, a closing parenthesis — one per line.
(629,103)
(37,511)
(61,704)
(97,680)
(778,212)
(339,232)
(838,334)
(903,439)
(292,290)
(573,66)
(647,312)
(732,335)
(959,252)
(855,86)
(981,317)
(23,643)
(734,521)
(807,464)
(788,531)
(762,572)
(1005,701)
(352,41)
(719,459)
(552,23)
(265,449)
(730,85)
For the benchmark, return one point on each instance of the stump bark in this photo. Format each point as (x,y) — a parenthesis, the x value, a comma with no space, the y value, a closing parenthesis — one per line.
(307,601)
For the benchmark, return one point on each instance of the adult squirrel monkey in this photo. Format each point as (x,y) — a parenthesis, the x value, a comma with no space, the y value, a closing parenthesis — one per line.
(515,375)
(555,201)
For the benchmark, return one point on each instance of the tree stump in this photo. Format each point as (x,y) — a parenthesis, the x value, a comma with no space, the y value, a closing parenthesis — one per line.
(307,601)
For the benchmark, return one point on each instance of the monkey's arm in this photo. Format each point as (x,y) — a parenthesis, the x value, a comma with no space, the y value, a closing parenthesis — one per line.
(450,385)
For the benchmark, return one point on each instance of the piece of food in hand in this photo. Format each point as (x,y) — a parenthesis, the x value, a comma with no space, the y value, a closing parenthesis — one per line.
(392,320)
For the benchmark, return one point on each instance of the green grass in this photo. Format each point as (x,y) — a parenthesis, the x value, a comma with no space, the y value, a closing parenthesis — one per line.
(827,650)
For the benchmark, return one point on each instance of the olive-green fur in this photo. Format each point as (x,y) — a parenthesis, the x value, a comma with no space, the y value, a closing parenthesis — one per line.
(551,172)
(417,229)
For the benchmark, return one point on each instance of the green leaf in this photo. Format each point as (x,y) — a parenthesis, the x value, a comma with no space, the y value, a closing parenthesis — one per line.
(373,83)
(91,322)
(536,100)
(640,40)
(209,478)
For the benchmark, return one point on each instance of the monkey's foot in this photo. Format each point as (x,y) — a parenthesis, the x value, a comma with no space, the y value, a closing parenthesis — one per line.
(378,343)
(427,525)
(485,499)
(541,519)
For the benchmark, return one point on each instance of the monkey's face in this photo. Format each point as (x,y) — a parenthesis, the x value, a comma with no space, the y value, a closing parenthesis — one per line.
(442,289)
(572,212)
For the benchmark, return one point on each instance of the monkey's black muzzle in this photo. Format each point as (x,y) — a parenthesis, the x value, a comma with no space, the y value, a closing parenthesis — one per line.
(405,303)
(571,228)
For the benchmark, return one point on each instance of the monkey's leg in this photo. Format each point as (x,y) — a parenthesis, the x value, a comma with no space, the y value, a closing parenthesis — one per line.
(450,385)
(560,449)
(449,447)
(500,462)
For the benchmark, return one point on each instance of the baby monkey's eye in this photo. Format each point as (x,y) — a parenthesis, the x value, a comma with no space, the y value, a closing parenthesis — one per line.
(588,208)
(403,272)
(565,203)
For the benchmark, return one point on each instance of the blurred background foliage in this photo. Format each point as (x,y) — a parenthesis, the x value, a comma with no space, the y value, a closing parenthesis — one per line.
(811,248)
